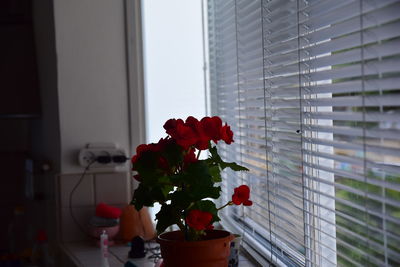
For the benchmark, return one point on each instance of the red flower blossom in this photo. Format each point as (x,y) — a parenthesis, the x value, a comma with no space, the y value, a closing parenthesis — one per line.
(198,133)
(184,135)
(212,128)
(150,155)
(134,159)
(199,220)
(227,134)
(146,148)
(202,139)
(144,154)
(241,195)
(163,143)
(170,126)
(193,123)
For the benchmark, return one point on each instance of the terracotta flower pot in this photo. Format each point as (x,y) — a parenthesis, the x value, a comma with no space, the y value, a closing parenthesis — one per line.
(213,251)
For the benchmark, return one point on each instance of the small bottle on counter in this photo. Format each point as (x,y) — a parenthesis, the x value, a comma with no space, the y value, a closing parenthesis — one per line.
(104,249)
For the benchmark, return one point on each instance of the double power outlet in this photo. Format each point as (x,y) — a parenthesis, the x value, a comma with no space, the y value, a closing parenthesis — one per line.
(89,155)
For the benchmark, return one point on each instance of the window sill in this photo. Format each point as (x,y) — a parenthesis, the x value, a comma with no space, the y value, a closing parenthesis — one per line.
(85,254)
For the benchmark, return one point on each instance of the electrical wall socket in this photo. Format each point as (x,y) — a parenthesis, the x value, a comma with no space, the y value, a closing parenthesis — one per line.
(92,151)
(86,157)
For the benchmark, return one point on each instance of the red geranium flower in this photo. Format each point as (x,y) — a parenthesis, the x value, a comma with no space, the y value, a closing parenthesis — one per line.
(202,139)
(170,126)
(212,128)
(241,195)
(227,134)
(146,148)
(145,155)
(199,220)
(163,143)
(193,123)
(134,159)
(184,135)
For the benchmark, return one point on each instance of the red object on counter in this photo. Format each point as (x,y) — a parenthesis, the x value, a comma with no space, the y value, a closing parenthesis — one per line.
(107,211)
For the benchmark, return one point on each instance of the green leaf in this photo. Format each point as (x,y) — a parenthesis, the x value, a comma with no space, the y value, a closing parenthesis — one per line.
(146,162)
(178,179)
(167,216)
(215,158)
(141,197)
(214,155)
(181,199)
(166,190)
(173,154)
(158,193)
(233,166)
(215,172)
(198,181)
(215,192)
(149,178)
(198,169)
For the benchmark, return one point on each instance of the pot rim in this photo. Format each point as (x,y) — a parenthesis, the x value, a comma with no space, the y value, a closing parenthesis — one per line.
(161,239)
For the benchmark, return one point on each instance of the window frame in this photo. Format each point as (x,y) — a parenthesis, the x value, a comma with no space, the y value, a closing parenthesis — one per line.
(135,77)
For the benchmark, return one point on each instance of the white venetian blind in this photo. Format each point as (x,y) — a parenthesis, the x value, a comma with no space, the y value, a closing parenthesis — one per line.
(312,91)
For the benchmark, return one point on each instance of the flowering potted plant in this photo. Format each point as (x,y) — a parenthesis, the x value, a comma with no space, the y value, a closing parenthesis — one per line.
(171,173)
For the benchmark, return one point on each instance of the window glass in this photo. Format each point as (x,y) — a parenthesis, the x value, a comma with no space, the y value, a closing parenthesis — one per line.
(173,60)
(173,55)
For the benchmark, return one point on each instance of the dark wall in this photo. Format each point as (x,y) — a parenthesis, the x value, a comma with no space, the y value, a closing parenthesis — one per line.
(19,94)
(31,139)
(45,144)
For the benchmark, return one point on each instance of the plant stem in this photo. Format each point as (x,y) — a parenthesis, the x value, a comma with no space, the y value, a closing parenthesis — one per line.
(191,205)
(198,154)
(181,226)
(184,218)
(227,204)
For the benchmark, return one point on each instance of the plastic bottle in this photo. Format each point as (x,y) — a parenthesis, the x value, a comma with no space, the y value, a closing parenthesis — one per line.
(104,249)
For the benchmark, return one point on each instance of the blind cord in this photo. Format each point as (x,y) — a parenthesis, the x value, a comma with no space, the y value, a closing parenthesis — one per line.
(205,69)
(364,110)
(266,128)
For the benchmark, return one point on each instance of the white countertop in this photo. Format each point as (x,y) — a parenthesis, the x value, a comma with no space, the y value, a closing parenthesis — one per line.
(86,254)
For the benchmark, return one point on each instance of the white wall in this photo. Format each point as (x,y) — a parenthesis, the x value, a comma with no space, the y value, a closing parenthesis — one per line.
(92,81)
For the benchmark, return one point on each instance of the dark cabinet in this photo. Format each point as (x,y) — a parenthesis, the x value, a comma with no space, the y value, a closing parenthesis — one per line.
(19,85)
